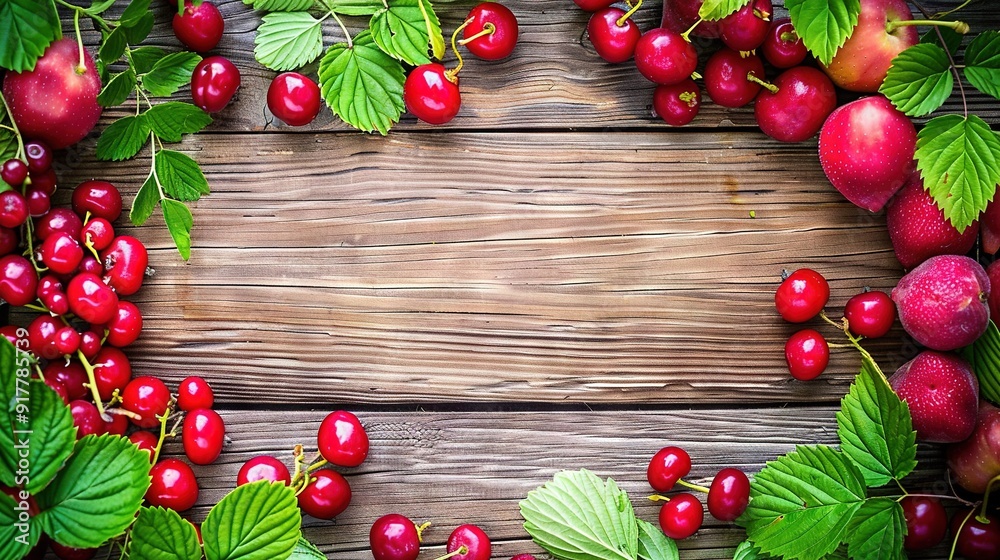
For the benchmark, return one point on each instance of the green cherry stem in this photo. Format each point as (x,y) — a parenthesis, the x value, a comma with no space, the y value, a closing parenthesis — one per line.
(460,551)
(751,77)
(687,34)
(986,498)
(13,125)
(488,29)
(82,68)
(452,74)
(954,542)
(420,530)
(957,26)
(632,10)
(316,465)
(658,498)
(163,435)
(91,380)
(691,486)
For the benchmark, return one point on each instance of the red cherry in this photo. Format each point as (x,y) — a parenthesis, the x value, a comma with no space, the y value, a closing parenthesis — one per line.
(112,370)
(58,219)
(145,441)
(263,467)
(593,5)
(682,516)
(44,181)
(125,261)
(99,198)
(214,83)
(66,341)
(13,209)
(394,537)
(42,337)
(70,553)
(614,43)
(90,344)
(38,202)
(204,434)
(173,485)
(117,426)
(50,293)
(667,466)
(98,233)
(61,253)
(148,397)
(91,265)
(746,29)
(86,418)
(802,295)
(91,299)
(14,172)
(807,354)
(39,157)
(870,314)
(500,27)
(70,375)
(523,557)
(18,280)
(729,494)
(326,496)
(293,98)
(342,439)
(926,522)
(976,539)
(783,47)
(199,28)
(726,78)
(473,540)
(9,239)
(193,393)
(430,95)
(804,100)
(664,57)
(124,328)
(59,388)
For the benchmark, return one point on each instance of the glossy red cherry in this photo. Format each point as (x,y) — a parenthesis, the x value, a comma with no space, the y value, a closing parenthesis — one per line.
(39,157)
(125,261)
(682,516)
(783,47)
(61,253)
(86,418)
(726,79)
(429,94)
(473,540)
(214,83)
(42,336)
(50,293)
(593,5)
(805,98)
(394,537)
(58,219)
(667,466)
(70,375)
(90,344)
(263,467)
(870,314)
(342,439)
(91,299)
(204,434)
(293,98)
(38,202)
(97,233)
(495,30)
(614,43)
(99,198)
(18,280)
(44,181)
(9,239)
(745,29)
(193,393)
(926,522)
(13,209)
(807,354)
(148,397)
(59,388)
(326,496)
(126,326)
(70,553)
(14,172)
(66,341)
(117,426)
(729,494)
(145,441)
(199,28)
(802,295)
(664,57)
(976,540)
(112,370)
(523,557)
(173,485)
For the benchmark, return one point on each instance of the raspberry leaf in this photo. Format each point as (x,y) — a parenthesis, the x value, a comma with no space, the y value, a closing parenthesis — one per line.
(919,80)
(169,73)
(117,89)
(712,10)
(123,138)
(134,12)
(952,39)
(654,545)
(16,537)
(876,531)
(305,550)
(354,7)
(747,551)
(161,534)
(984,355)
(98,7)
(143,58)
(288,40)
(982,63)
(402,31)
(52,436)
(256,521)
(281,5)
(179,223)
(959,161)
(362,84)
(8,140)
(173,119)
(824,25)
(180,176)
(145,201)
(28,28)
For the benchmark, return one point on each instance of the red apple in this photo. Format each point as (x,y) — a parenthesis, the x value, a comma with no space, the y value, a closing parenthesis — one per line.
(976,460)
(57,101)
(862,63)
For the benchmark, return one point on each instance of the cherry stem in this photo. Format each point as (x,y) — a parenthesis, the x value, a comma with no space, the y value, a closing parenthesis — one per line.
(82,68)
(958,26)
(789,37)
(163,435)
(420,530)
(766,16)
(316,465)
(951,11)
(350,41)
(962,501)
(687,484)
(986,498)
(297,473)
(461,550)
(767,85)
(488,29)
(622,20)
(687,34)
(658,498)
(123,412)
(91,380)
(958,532)
(452,75)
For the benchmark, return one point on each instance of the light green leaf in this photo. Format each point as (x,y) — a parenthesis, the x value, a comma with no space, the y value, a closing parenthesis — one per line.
(984,355)
(143,58)
(801,503)
(134,12)
(288,40)
(305,550)
(959,161)
(28,27)
(116,91)
(876,531)
(355,7)
(52,436)
(654,545)
(713,10)
(256,521)
(402,32)
(824,25)
(362,85)
(145,201)
(952,38)
(138,32)
(179,223)
(17,537)
(170,73)
(747,551)
(281,5)
(170,120)
(982,63)
(875,429)
(919,80)
(8,140)
(123,139)
(180,176)
(433,29)
(97,494)
(113,46)
(98,7)
(161,534)
(578,516)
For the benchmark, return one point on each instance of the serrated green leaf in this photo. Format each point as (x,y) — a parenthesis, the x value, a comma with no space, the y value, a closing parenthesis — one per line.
(578,516)
(256,521)
(401,31)
(288,40)
(875,429)
(281,5)
(653,544)
(801,503)
(180,176)
(959,161)
(952,38)
(138,32)
(123,139)
(362,85)
(117,89)
(52,436)
(143,58)
(98,7)
(145,201)
(747,551)
(170,120)
(17,537)
(179,223)
(97,494)
(170,73)
(824,25)
(984,356)
(876,531)
(354,7)
(712,10)
(113,46)
(919,80)
(161,534)
(433,29)
(8,140)
(13,392)
(134,12)
(305,550)
(982,63)
(28,27)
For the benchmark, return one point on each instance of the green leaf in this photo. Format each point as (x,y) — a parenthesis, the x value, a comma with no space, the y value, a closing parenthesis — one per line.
(123,139)
(134,12)
(433,29)
(173,119)
(824,25)
(281,5)
(801,503)
(117,89)
(578,516)
(8,140)
(959,161)
(15,375)
(919,80)
(145,201)
(747,551)
(982,63)
(362,85)
(180,176)
(138,32)
(170,73)
(143,58)
(98,7)
(355,7)
(952,38)
(28,27)
(161,534)
(984,356)
(52,436)
(288,40)
(875,428)
(402,32)
(179,223)
(654,545)
(113,46)
(305,550)
(713,10)
(97,494)
(876,531)
(256,521)
(18,535)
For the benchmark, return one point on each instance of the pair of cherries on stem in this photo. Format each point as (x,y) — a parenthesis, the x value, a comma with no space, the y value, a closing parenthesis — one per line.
(396,537)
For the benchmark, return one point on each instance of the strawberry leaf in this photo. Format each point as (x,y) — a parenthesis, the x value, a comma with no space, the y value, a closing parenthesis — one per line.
(173,119)
(919,80)
(984,355)
(52,436)
(654,545)
(952,39)
(169,73)
(256,521)
(362,84)
(305,550)
(747,551)
(161,534)
(824,25)
(959,161)
(123,139)
(145,201)
(282,5)
(354,7)
(982,63)
(16,537)
(117,89)
(143,58)
(713,10)
(179,223)
(288,40)
(401,31)
(877,530)
(179,176)
(28,27)
(134,12)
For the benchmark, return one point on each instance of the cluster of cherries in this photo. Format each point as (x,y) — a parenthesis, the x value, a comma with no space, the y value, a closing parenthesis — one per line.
(431,92)
(977,535)
(396,537)
(790,109)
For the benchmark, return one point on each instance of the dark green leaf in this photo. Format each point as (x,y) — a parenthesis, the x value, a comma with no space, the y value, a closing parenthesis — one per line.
(919,80)
(747,551)
(288,40)
(170,73)
(143,58)
(305,550)
(959,161)
(8,140)
(281,5)
(145,201)
(362,85)
(15,373)
(173,119)
(713,10)
(982,63)
(138,32)
(179,223)
(984,355)
(876,531)
(98,7)
(257,521)
(824,25)
(355,7)
(28,27)
(97,494)
(952,38)
(161,534)
(134,12)
(180,176)
(17,537)
(52,436)
(402,32)
(653,544)
(113,46)
(117,89)
(123,139)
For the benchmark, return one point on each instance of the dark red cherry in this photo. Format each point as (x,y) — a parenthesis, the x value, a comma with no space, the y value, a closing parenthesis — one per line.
(66,341)
(173,485)
(112,371)
(147,397)
(203,435)
(394,537)
(796,112)
(42,336)
(342,439)
(71,375)
(783,47)
(729,494)
(38,202)
(293,98)
(99,198)
(214,83)
(495,30)
(39,156)
(682,516)
(430,95)
(91,299)
(44,181)
(13,209)
(677,104)
(59,388)
(125,261)
(664,57)
(124,328)
(593,5)
(86,418)
(90,344)
(98,233)
(926,522)
(613,42)
(745,29)
(473,540)
(70,553)
(14,172)
(802,295)
(199,28)
(117,426)
(18,280)
(58,219)
(9,239)
(263,467)
(326,496)
(145,441)
(726,79)
(193,393)
(977,540)
(667,466)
